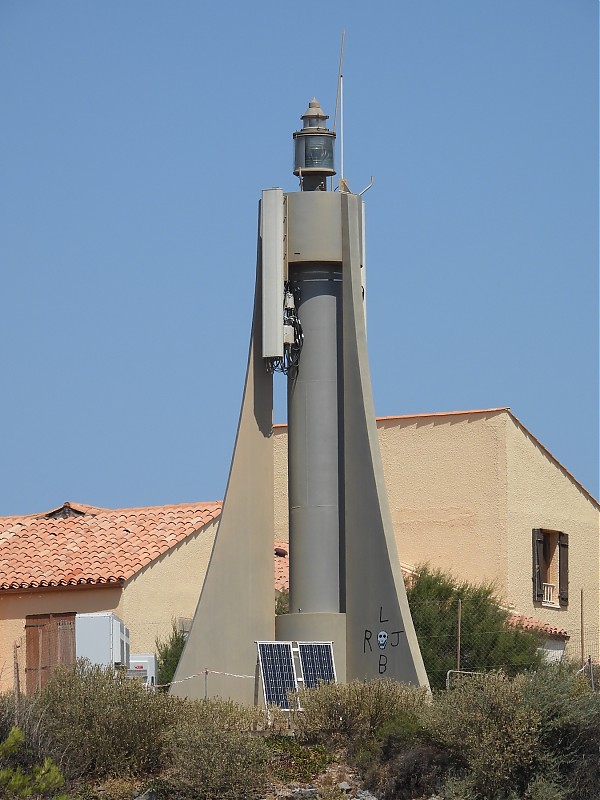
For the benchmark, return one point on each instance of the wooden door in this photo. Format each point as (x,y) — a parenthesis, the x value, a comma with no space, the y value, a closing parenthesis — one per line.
(49,642)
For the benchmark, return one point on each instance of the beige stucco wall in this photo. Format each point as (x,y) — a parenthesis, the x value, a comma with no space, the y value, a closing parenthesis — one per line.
(465,492)
(15,607)
(542,495)
(446,483)
(166,589)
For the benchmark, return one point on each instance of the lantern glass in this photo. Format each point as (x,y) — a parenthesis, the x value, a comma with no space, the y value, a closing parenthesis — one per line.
(314,152)
(318,153)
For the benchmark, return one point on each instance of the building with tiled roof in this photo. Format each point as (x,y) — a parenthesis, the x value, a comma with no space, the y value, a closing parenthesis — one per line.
(473,493)
(143,564)
(476,494)
(146,565)
(81,545)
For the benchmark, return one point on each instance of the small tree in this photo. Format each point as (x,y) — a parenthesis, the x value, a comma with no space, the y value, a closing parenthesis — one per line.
(169,652)
(487,640)
(37,780)
(282,602)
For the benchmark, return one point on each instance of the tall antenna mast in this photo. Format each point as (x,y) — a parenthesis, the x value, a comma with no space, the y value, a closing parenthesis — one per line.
(339,103)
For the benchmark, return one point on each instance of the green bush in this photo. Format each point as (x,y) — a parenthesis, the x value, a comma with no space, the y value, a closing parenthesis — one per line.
(97,723)
(349,715)
(487,641)
(169,652)
(39,780)
(7,713)
(397,733)
(207,761)
(293,761)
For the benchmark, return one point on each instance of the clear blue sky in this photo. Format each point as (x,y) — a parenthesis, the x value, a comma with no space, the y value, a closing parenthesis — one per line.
(136,138)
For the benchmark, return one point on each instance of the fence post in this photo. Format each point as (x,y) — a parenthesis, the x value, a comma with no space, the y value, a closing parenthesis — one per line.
(17,685)
(581,631)
(458,636)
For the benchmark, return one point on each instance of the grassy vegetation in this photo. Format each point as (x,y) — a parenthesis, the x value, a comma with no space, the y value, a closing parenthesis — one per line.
(91,735)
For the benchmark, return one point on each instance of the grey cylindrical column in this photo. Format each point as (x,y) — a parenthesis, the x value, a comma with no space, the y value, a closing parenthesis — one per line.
(313,443)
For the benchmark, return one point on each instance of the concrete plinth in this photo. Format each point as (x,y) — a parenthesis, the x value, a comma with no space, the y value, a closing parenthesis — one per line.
(316,628)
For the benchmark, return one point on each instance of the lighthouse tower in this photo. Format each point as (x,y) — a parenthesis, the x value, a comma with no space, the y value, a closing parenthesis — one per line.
(346,585)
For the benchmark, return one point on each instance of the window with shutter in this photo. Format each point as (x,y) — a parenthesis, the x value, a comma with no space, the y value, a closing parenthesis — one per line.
(538,565)
(563,569)
(550,567)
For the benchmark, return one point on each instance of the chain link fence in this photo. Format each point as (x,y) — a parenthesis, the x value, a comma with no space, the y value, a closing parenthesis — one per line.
(584,645)
(472,634)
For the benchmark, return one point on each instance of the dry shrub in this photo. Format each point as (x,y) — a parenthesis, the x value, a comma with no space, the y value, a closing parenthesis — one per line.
(26,716)
(569,713)
(349,715)
(489,731)
(208,760)
(96,723)
(532,737)
(113,789)
(224,714)
(416,771)
(278,721)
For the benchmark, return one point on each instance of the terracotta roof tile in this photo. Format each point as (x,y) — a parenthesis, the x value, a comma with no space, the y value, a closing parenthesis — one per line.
(533,624)
(282,567)
(93,545)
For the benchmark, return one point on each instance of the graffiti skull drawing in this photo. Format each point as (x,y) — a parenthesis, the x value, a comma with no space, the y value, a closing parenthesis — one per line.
(382,638)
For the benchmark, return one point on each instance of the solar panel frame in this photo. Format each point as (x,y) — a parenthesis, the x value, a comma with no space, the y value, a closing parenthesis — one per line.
(317,662)
(278,672)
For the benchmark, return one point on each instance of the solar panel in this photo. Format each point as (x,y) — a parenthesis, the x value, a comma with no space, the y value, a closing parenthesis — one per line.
(316,659)
(278,672)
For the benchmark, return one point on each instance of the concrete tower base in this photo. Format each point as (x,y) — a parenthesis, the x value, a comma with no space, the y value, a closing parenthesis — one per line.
(307,627)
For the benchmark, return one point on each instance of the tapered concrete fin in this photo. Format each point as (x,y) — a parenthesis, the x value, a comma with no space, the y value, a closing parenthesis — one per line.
(236,606)
(375,596)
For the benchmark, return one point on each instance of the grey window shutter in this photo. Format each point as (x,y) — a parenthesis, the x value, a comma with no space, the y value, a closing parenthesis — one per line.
(563,569)
(538,561)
